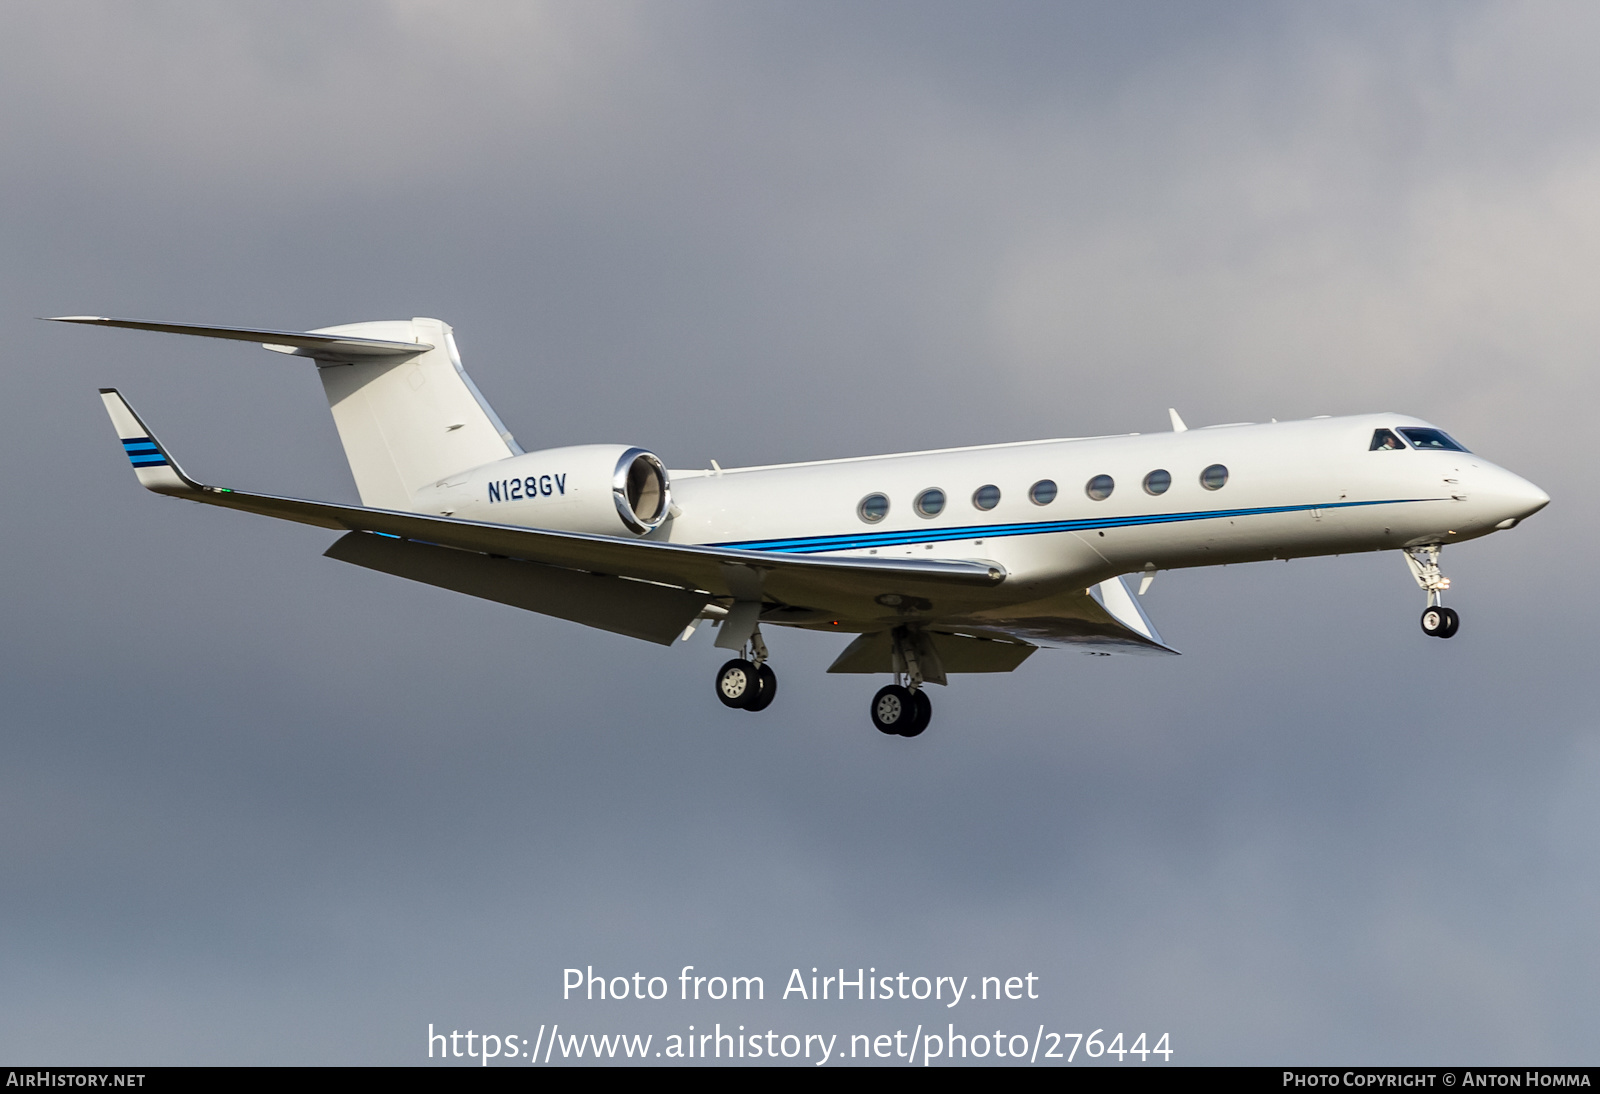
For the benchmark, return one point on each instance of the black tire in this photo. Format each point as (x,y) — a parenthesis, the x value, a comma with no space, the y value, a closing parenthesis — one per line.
(738,684)
(921,713)
(767,688)
(893,709)
(1441,622)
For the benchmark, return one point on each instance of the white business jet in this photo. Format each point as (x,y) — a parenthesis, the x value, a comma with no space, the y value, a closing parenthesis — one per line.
(949,561)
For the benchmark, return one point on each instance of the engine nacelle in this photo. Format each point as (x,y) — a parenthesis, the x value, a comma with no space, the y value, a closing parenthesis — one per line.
(607,489)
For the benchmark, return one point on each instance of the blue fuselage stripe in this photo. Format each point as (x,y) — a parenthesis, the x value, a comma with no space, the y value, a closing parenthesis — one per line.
(860,540)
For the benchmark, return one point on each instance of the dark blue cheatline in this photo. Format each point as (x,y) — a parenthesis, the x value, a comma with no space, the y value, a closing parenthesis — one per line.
(857,541)
(142,452)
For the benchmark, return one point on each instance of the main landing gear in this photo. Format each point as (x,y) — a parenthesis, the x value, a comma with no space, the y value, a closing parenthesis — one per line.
(1438,621)
(748,683)
(903,710)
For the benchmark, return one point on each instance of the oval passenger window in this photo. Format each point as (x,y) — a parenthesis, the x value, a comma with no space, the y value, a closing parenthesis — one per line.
(930,503)
(873,508)
(1214,477)
(1157,482)
(1099,488)
(986,497)
(1042,492)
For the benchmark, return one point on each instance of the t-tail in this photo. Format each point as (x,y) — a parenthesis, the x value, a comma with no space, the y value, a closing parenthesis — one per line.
(408,414)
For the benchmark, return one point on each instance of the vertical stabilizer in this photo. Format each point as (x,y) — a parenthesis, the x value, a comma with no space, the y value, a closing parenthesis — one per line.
(407,424)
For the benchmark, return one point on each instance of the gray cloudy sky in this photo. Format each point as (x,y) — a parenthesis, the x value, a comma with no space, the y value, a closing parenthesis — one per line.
(258,806)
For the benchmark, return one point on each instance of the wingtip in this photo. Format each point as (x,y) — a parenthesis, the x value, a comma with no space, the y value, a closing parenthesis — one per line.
(109,391)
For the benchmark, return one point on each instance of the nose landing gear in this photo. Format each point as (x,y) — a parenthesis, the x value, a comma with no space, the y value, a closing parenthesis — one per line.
(1440,622)
(748,683)
(1437,620)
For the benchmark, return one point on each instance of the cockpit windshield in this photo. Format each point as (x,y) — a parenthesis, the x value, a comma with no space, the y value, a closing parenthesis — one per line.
(1436,440)
(1384,440)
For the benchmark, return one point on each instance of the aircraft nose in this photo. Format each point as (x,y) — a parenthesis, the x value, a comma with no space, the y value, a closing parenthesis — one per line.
(1518,499)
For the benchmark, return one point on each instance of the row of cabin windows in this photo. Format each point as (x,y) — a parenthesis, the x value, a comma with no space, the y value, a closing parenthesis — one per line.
(931,502)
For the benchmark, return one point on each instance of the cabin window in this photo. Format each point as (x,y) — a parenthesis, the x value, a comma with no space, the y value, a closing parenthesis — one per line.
(1384,440)
(1042,492)
(873,508)
(986,497)
(1157,482)
(930,503)
(1214,477)
(1435,440)
(1099,488)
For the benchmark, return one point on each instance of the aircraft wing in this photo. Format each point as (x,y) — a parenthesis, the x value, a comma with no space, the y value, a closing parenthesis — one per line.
(818,586)
(1104,618)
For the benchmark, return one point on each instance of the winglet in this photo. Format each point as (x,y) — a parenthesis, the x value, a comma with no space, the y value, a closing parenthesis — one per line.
(1177,422)
(156,469)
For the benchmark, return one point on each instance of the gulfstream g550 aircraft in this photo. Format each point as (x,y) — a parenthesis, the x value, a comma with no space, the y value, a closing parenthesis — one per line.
(958,560)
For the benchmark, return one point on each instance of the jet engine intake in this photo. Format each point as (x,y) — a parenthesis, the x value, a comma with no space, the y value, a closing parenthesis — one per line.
(641,490)
(605,489)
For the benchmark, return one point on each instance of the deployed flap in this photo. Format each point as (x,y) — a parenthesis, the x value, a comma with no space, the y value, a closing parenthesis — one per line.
(874,653)
(318,344)
(638,609)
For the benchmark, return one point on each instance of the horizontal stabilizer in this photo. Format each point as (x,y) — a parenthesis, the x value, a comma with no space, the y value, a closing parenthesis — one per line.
(319,345)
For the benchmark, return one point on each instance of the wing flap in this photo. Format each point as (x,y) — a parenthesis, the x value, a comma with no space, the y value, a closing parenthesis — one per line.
(655,613)
(874,653)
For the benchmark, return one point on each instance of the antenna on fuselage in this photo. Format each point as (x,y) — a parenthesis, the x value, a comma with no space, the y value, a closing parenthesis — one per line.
(1177,422)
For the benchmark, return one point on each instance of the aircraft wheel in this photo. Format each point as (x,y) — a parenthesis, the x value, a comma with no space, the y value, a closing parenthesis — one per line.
(766,688)
(1440,622)
(921,713)
(894,709)
(738,684)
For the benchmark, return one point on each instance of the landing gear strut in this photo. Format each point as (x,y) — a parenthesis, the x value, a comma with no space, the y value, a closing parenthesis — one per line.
(903,710)
(748,683)
(1438,621)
